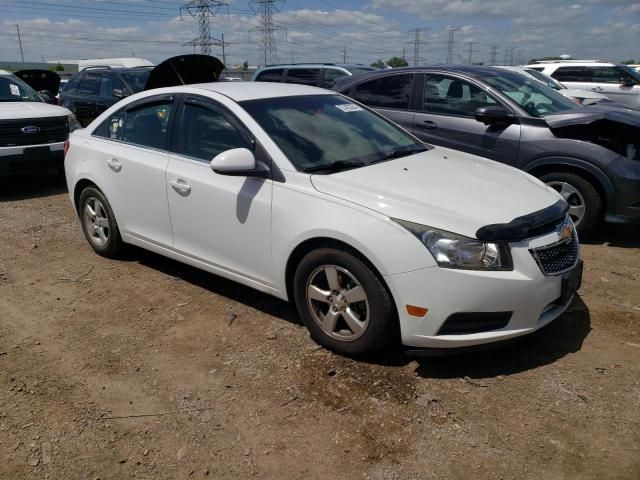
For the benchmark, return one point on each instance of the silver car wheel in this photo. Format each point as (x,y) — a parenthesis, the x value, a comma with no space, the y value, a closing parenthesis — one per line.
(573,197)
(96,222)
(338,302)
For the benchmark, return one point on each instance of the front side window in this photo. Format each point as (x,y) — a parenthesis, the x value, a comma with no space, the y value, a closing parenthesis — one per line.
(328,133)
(610,75)
(146,125)
(12,89)
(273,75)
(451,96)
(330,77)
(136,79)
(303,76)
(392,91)
(572,74)
(73,83)
(90,84)
(110,82)
(205,132)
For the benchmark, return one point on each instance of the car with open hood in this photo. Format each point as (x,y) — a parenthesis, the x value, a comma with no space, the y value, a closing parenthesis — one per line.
(45,82)
(590,154)
(304,194)
(91,91)
(32,132)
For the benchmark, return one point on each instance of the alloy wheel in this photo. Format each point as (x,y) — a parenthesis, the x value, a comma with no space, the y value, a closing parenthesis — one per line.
(573,197)
(96,221)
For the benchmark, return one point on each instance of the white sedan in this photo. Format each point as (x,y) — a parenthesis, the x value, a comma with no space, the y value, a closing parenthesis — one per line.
(311,197)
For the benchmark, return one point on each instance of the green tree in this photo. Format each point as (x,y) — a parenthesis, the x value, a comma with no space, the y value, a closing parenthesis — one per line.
(59,67)
(378,64)
(396,62)
(629,62)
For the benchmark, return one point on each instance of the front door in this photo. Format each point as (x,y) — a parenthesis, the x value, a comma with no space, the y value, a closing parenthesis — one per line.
(446,118)
(222,220)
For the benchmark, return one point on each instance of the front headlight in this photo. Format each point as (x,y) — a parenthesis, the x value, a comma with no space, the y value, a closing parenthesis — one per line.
(73,123)
(455,251)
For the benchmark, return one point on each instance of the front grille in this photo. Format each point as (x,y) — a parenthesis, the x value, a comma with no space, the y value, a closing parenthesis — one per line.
(52,130)
(557,257)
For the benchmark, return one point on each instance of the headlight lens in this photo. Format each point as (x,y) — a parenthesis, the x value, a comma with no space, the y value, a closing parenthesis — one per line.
(73,123)
(455,251)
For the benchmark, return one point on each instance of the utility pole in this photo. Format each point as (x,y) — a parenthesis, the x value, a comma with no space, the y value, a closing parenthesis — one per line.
(20,42)
(292,55)
(344,54)
(492,57)
(470,52)
(451,43)
(224,55)
(416,42)
(266,9)
(202,10)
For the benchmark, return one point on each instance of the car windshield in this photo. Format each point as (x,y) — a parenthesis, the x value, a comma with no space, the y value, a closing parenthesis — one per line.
(632,72)
(548,81)
(535,98)
(329,133)
(12,89)
(136,79)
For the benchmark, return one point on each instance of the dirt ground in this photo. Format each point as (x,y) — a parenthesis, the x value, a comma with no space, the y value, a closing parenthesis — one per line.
(146,368)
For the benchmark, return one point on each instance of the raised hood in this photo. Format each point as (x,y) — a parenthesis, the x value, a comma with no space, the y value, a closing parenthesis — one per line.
(185,70)
(40,80)
(442,188)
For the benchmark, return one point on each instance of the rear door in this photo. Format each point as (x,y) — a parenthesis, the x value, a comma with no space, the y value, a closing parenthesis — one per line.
(612,81)
(447,118)
(390,95)
(87,96)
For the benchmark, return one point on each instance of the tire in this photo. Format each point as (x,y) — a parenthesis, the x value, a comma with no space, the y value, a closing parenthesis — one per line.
(105,238)
(376,313)
(578,190)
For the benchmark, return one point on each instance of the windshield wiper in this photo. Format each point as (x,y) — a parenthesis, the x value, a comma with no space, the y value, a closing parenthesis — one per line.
(402,152)
(336,166)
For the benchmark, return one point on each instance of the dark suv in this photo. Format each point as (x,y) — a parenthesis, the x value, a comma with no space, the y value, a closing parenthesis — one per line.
(91,91)
(591,155)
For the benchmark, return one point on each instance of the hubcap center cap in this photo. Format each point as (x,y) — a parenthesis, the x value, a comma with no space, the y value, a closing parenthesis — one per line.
(338,302)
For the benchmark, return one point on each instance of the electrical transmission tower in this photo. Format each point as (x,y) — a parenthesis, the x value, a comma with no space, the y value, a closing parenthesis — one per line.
(470,52)
(267,29)
(451,43)
(492,57)
(416,42)
(202,10)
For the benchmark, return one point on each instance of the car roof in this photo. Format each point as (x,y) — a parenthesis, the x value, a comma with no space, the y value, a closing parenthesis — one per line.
(241,91)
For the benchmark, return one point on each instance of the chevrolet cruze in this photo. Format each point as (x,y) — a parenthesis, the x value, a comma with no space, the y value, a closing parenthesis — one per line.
(309,196)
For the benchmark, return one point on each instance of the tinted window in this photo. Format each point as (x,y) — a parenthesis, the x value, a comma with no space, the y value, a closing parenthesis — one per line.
(330,76)
(393,91)
(572,74)
(73,83)
(206,132)
(303,76)
(453,97)
(90,84)
(136,79)
(274,75)
(146,125)
(609,75)
(112,127)
(110,82)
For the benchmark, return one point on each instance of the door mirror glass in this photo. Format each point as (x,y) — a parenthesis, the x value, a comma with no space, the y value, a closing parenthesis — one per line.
(117,93)
(237,161)
(492,115)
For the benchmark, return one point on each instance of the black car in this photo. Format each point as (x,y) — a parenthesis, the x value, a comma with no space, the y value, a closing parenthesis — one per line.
(93,90)
(591,155)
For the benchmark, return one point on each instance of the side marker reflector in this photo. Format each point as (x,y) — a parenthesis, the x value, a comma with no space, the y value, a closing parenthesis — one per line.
(415,311)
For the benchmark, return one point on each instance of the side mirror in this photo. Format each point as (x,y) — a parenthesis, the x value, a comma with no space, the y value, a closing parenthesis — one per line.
(238,162)
(47,96)
(493,115)
(118,93)
(628,82)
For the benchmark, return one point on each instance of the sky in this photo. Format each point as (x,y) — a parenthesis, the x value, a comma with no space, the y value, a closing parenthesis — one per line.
(321,30)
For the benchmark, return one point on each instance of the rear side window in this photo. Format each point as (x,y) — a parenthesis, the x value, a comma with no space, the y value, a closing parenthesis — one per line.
(303,76)
(572,74)
(146,125)
(90,84)
(273,75)
(73,83)
(393,91)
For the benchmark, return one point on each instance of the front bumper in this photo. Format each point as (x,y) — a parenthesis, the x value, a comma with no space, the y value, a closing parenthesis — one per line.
(624,206)
(533,299)
(31,158)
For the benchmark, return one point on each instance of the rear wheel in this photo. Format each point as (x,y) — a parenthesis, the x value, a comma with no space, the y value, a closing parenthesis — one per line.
(343,303)
(99,223)
(585,203)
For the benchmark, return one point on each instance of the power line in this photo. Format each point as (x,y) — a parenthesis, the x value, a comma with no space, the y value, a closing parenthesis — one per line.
(492,57)
(470,52)
(451,43)
(202,10)
(266,8)
(416,42)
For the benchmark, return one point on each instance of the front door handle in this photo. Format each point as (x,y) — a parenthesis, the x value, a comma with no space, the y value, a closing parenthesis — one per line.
(428,125)
(180,186)
(114,164)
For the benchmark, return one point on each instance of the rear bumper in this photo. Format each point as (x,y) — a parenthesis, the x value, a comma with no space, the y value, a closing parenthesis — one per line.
(625,204)
(31,158)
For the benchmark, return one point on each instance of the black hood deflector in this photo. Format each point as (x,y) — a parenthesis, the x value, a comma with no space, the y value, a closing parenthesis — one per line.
(40,80)
(593,113)
(185,70)
(530,225)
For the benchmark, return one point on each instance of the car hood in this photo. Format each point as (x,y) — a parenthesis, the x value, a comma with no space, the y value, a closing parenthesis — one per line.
(594,113)
(185,70)
(442,188)
(40,80)
(18,110)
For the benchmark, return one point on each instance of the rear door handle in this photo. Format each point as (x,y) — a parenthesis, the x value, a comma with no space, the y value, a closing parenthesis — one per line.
(428,125)
(114,164)
(180,186)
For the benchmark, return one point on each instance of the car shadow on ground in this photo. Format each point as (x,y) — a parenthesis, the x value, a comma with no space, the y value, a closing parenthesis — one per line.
(624,236)
(23,187)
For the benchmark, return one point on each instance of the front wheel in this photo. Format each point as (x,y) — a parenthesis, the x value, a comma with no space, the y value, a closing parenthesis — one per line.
(99,223)
(585,203)
(343,303)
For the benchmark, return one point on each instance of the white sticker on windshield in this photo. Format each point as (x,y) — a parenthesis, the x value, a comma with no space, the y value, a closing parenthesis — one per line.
(350,107)
(14,89)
